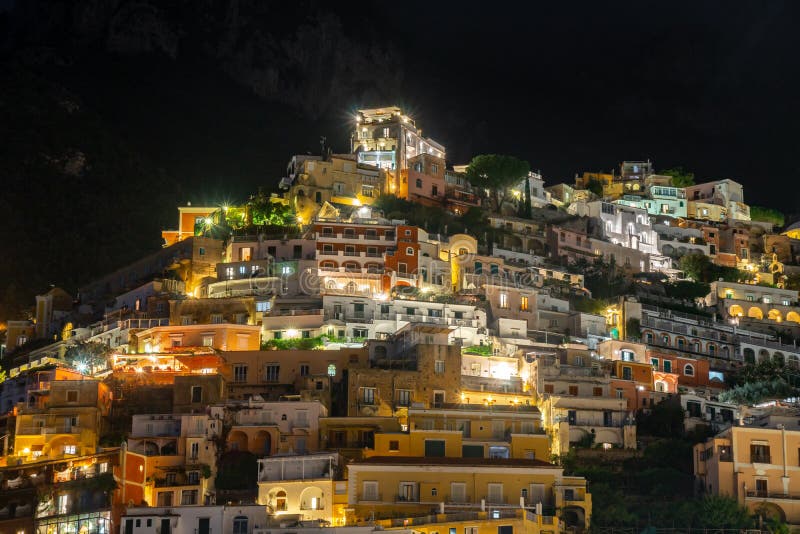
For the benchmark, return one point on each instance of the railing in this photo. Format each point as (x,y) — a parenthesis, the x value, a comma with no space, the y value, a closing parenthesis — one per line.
(483,407)
(350,270)
(772,495)
(345,291)
(48,430)
(293,313)
(322,236)
(604,424)
(449,321)
(165,483)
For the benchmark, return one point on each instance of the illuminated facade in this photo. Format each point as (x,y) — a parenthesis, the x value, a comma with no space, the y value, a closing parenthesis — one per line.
(755,463)
(189,218)
(387,138)
(337,179)
(384,486)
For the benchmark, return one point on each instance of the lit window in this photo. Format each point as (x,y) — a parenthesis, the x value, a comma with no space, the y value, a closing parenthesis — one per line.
(331,369)
(70,449)
(503,300)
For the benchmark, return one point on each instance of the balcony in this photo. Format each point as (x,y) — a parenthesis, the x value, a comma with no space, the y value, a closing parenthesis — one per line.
(590,423)
(293,313)
(770,495)
(344,291)
(491,384)
(352,238)
(328,271)
(178,482)
(48,430)
(444,321)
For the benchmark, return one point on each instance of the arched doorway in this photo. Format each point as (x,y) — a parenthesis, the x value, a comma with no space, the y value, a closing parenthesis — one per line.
(263,443)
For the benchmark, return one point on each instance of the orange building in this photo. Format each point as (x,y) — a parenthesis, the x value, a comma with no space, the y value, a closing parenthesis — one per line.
(404,262)
(691,372)
(633,382)
(423,182)
(188,217)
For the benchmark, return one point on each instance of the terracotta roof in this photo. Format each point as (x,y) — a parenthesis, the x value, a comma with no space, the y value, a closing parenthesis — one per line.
(474,462)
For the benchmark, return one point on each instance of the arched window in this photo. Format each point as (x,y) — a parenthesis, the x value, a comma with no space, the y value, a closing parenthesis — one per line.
(688,369)
(419,183)
(681,343)
(280,501)
(331,369)
(712,349)
(409,251)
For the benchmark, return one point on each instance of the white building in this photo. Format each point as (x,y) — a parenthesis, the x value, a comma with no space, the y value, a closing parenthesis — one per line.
(243,519)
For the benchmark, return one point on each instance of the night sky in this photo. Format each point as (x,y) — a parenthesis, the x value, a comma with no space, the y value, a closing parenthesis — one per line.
(571,86)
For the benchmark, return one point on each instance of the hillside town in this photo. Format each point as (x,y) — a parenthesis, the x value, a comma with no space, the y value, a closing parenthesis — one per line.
(381,339)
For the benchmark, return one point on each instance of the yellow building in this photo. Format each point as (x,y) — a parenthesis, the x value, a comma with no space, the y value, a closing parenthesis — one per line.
(382,487)
(496,522)
(697,209)
(756,465)
(339,179)
(67,426)
(470,431)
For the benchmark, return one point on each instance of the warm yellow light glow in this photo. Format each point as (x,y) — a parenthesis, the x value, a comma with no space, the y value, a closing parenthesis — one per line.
(26,450)
(208,220)
(292,333)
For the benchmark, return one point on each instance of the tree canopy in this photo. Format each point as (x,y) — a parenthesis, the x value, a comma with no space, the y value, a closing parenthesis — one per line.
(680,176)
(700,268)
(757,213)
(496,172)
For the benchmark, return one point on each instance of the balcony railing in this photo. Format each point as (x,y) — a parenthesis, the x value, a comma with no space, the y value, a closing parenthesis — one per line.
(323,236)
(48,430)
(772,495)
(449,321)
(293,313)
